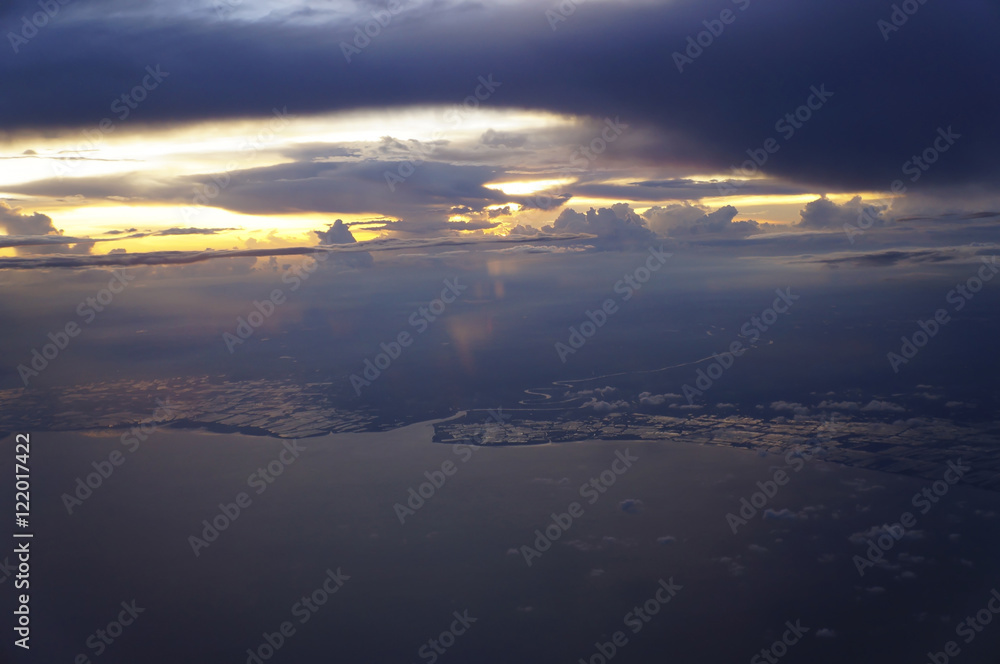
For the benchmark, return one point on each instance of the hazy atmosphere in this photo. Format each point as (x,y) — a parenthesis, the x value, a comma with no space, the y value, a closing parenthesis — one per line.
(451,331)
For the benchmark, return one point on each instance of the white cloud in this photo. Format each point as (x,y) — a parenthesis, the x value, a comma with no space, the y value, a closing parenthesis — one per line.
(823,214)
(605,406)
(876,406)
(684,219)
(839,405)
(650,399)
(616,225)
(792,406)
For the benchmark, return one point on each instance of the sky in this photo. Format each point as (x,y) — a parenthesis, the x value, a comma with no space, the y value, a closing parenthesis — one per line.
(703,229)
(144,127)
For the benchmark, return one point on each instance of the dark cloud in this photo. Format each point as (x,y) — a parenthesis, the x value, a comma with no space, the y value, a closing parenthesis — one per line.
(429,190)
(42,237)
(965,216)
(503,139)
(420,202)
(47,241)
(890,96)
(890,258)
(16,223)
(189,231)
(684,189)
(56,242)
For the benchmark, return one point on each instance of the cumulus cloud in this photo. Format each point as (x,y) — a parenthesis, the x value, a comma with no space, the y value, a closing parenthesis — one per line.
(23,224)
(600,391)
(339,233)
(839,405)
(824,214)
(520,229)
(631,506)
(605,406)
(791,406)
(617,225)
(684,219)
(48,239)
(650,399)
(876,406)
